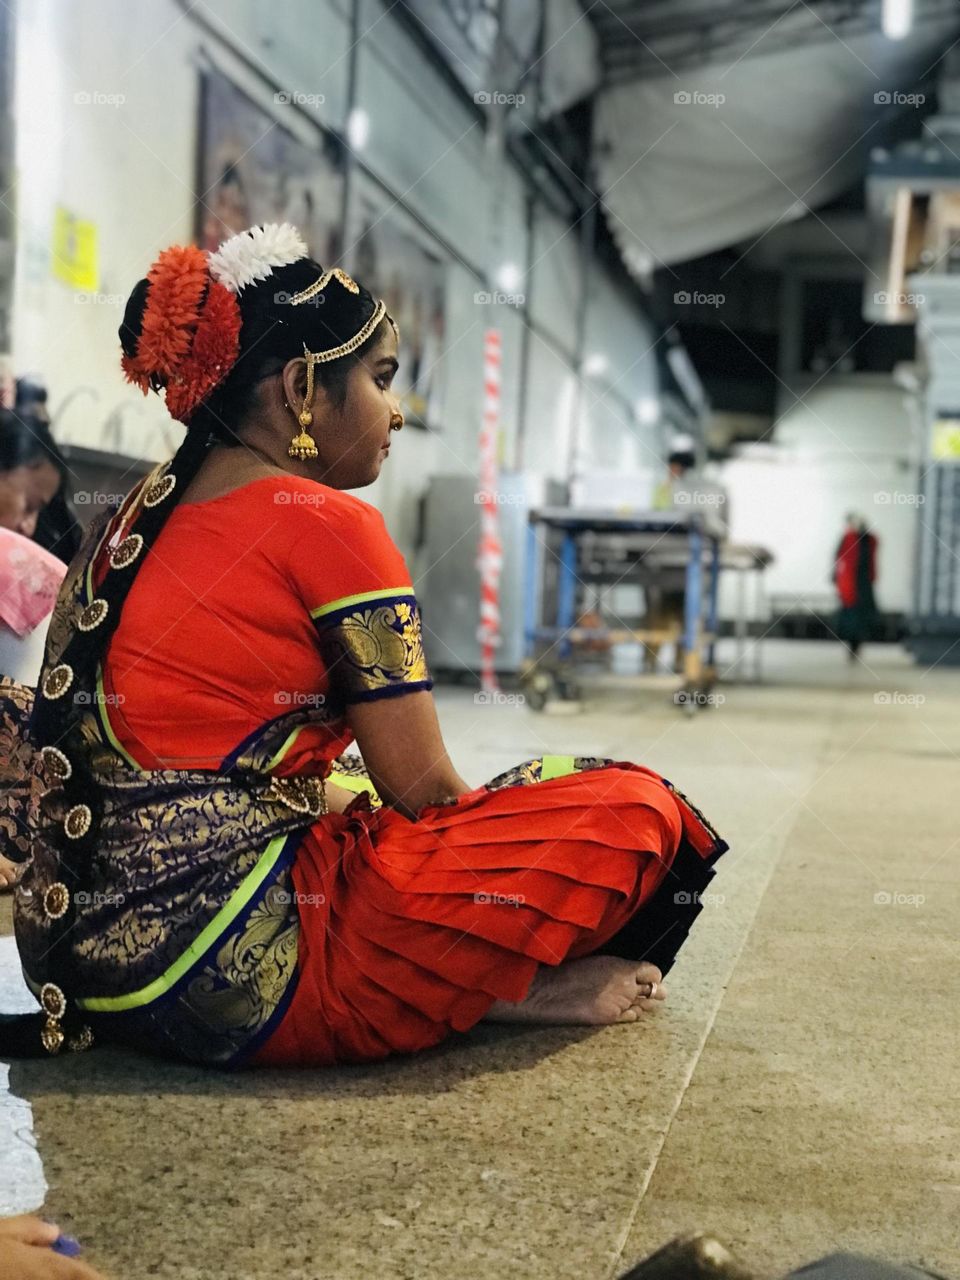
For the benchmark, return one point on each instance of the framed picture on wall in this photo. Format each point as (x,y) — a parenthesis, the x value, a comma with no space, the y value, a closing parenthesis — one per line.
(251,169)
(394,263)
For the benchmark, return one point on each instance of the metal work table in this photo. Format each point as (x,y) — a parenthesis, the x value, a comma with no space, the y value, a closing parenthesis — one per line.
(743,559)
(637,537)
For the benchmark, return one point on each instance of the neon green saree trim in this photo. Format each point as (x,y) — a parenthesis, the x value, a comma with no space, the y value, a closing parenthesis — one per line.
(555,767)
(228,912)
(345,601)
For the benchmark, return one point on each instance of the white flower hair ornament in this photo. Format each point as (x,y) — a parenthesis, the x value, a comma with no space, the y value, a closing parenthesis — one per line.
(253,254)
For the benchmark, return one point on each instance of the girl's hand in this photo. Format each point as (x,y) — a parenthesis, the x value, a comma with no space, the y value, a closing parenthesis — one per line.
(9,873)
(25,1253)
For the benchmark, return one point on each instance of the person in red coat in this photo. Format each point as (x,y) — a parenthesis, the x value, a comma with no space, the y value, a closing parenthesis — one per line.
(854,573)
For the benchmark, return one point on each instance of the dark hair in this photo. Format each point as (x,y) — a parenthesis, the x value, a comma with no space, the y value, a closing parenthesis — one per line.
(685,458)
(29,393)
(272,332)
(26,441)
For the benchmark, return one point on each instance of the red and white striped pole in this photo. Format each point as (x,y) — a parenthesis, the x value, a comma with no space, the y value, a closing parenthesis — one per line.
(490,552)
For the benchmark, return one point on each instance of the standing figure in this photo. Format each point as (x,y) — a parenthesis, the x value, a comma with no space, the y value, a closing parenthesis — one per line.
(854,573)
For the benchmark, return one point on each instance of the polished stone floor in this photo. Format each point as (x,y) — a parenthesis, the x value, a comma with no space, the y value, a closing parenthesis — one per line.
(797,1093)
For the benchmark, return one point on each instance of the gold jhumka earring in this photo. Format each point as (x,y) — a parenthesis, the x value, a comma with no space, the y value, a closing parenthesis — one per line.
(303,445)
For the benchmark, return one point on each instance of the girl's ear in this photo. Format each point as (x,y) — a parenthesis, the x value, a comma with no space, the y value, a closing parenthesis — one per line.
(295,383)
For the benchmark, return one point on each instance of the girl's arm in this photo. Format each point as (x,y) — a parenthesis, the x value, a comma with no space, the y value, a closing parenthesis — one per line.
(402,747)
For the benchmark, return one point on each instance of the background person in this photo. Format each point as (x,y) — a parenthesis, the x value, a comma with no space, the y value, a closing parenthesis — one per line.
(58,529)
(30,577)
(854,573)
(665,597)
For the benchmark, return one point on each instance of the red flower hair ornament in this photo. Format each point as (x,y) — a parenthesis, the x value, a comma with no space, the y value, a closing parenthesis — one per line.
(190,332)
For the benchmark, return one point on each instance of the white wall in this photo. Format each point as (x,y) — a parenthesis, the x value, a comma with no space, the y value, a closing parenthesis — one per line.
(129,168)
(847,446)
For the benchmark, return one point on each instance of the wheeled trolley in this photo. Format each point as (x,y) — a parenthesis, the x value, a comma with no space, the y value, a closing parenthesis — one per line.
(582,547)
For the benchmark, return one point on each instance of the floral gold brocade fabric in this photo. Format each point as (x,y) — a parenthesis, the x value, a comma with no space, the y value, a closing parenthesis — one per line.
(185,931)
(374,648)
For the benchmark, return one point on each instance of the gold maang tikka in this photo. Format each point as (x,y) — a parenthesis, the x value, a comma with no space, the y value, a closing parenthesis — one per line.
(303,445)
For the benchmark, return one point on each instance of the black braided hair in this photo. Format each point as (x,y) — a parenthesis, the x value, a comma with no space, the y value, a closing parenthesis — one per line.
(272,333)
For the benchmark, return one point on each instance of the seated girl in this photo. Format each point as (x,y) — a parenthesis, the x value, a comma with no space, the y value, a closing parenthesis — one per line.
(212,877)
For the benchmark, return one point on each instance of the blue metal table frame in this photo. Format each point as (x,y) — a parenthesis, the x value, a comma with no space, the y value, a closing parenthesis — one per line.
(702,539)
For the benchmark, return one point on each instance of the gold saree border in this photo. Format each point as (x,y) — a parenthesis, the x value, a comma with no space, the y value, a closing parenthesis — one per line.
(200,945)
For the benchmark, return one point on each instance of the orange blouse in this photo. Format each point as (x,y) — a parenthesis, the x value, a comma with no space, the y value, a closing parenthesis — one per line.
(282,594)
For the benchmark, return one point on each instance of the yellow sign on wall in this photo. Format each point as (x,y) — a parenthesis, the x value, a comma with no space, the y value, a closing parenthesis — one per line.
(74,250)
(945,445)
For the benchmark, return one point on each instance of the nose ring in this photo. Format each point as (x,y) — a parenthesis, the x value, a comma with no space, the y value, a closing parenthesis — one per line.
(396,421)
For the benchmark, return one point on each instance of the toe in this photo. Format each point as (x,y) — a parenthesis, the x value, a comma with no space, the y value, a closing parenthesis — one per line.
(648,973)
(630,1015)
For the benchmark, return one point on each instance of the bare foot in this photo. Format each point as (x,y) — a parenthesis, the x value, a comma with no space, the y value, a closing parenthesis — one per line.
(9,874)
(593,992)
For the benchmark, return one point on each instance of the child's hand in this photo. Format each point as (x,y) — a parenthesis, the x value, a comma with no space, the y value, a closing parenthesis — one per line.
(25,1253)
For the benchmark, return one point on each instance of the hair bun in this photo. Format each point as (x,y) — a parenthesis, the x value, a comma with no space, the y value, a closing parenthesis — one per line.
(180,331)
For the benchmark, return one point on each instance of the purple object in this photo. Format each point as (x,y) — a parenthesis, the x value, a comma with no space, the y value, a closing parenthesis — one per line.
(67,1246)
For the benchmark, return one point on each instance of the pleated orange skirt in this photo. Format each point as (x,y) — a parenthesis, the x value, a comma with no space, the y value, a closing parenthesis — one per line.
(410,930)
